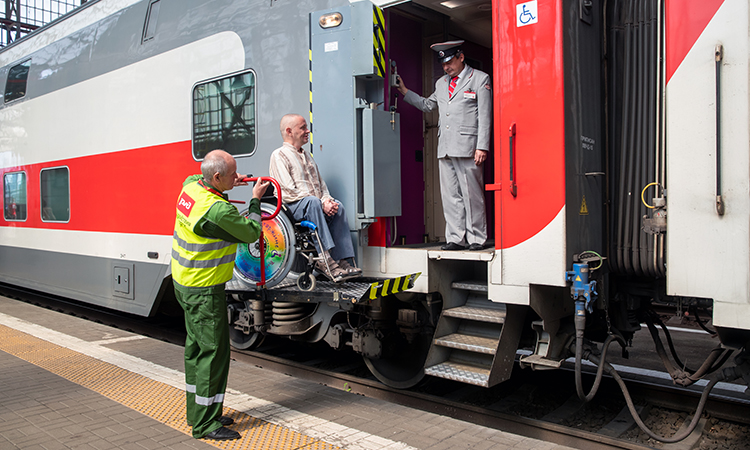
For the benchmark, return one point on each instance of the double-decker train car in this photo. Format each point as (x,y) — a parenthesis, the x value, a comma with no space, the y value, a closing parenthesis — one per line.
(607,115)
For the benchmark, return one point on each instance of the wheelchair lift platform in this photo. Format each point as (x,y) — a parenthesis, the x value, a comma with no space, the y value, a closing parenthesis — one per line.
(359,291)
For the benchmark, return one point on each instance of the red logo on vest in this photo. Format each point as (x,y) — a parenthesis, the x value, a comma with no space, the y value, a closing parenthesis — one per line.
(185,204)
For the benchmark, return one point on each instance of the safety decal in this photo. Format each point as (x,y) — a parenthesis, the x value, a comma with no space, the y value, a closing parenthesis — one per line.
(393,285)
(378,41)
(526,14)
(584,211)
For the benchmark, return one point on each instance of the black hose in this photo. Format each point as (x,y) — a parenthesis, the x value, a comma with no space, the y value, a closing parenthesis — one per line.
(727,374)
(682,375)
(600,370)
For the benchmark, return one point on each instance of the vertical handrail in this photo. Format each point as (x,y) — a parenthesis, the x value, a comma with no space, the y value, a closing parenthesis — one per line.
(512,150)
(261,240)
(718,56)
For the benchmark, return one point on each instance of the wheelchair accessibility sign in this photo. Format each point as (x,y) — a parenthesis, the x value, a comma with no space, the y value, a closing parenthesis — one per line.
(526,14)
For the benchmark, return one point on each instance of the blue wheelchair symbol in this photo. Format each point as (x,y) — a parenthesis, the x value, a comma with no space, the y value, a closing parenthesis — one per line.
(525,16)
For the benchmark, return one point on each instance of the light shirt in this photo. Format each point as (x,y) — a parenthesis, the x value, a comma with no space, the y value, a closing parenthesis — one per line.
(297,174)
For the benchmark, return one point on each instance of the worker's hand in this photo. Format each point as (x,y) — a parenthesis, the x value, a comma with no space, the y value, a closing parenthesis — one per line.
(400,85)
(260,188)
(480,156)
(238,180)
(330,207)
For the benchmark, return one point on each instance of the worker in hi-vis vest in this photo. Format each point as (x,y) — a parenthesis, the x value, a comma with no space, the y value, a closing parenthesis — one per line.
(206,233)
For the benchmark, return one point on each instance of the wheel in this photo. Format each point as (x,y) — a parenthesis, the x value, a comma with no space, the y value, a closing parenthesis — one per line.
(306,282)
(237,338)
(402,365)
(280,251)
(242,341)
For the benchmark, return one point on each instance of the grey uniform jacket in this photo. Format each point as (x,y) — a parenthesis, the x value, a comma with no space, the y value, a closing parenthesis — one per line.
(464,123)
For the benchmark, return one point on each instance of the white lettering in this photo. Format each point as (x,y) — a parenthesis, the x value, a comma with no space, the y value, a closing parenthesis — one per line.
(185,203)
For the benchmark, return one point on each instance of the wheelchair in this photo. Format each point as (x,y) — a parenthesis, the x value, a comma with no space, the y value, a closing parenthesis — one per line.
(290,253)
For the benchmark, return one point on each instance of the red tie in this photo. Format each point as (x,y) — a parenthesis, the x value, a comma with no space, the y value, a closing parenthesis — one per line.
(452,86)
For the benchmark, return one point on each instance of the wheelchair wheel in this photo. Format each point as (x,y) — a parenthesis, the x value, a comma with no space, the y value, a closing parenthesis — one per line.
(279,251)
(306,282)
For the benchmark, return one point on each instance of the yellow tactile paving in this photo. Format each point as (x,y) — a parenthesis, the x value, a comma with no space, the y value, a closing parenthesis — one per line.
(152,398)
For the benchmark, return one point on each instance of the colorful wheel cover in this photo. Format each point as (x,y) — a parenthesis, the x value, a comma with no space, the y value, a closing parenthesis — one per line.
(247,262)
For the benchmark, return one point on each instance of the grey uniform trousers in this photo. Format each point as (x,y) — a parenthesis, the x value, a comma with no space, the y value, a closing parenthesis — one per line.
(462,192)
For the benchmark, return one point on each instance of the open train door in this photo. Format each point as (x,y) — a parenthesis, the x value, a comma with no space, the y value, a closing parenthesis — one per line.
(411,27)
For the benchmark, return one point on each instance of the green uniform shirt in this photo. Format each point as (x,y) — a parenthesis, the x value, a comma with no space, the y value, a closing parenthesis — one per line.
(223,221)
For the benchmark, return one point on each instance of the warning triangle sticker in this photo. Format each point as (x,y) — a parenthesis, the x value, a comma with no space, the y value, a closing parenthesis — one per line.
(584,211)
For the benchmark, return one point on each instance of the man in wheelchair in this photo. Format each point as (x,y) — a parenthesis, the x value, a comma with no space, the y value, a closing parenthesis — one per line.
(306,195)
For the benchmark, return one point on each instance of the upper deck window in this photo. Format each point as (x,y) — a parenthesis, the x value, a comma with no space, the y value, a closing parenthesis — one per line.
(149,30)
(14,196)
(224,115)
(15,86)
(55,194)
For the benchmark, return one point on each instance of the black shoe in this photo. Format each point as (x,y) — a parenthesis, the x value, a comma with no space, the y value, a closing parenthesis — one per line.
(224,420)
(222,434)
(452,246)
(475,247)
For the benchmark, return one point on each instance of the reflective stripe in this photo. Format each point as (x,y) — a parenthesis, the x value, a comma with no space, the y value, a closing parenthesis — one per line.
(208,401)
(218,245)
(202,263)
(254,216)
(204,401)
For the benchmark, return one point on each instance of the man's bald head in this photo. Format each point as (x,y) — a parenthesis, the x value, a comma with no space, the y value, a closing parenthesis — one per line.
(293,128)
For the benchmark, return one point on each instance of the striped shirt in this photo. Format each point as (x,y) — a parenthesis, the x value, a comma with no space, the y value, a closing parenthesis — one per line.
(297,174)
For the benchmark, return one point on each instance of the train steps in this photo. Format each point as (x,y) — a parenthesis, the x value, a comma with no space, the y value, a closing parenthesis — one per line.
(475,340)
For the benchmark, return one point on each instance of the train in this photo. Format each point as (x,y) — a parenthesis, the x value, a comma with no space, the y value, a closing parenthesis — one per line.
(617,178)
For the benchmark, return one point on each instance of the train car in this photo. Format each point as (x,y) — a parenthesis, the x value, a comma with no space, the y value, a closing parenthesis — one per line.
(600,109)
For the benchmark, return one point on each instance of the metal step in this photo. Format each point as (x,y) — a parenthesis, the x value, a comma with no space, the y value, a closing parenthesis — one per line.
(470,285)
(470,343)
(464,373)
(487,312)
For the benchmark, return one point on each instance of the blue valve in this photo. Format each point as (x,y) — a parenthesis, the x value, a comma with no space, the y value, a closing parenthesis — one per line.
(581,287)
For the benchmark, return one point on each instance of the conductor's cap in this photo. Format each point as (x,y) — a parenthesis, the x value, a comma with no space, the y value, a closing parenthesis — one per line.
(447,50)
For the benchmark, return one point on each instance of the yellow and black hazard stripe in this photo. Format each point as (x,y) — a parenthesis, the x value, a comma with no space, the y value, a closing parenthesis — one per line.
(391,286)
(378,41)
(311,105)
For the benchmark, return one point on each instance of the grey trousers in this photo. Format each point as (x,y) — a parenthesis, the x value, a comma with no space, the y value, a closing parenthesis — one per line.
(462,191)
(333,231)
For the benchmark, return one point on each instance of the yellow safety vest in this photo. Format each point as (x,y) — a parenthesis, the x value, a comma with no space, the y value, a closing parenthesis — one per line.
(198,261)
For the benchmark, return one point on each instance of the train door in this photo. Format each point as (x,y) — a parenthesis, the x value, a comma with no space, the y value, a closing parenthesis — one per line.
(412,28)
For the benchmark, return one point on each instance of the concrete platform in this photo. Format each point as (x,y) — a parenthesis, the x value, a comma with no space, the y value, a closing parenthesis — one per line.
(69,383)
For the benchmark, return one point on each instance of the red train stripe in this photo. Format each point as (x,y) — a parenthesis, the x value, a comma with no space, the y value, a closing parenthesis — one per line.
(686,20)
(131,191)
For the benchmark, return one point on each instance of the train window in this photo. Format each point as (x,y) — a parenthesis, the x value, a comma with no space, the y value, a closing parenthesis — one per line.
(14,196)
(15,86)
(224,115)
(55,194)
(149,30)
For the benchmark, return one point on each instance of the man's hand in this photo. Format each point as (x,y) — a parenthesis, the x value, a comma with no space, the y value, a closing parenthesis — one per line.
(238,180)
(401,86)
(260,188)
(330,207)
(480,156)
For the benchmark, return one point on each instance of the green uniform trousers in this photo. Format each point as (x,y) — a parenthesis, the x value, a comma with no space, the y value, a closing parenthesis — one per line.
(206,355)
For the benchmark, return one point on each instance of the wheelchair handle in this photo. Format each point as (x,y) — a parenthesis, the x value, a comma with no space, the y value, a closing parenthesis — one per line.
(278,193)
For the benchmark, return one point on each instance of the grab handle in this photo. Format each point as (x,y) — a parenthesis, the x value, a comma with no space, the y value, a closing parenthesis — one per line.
(512,150)
(278,193)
